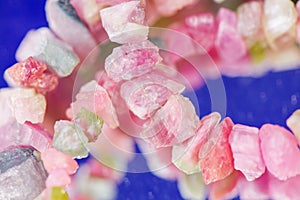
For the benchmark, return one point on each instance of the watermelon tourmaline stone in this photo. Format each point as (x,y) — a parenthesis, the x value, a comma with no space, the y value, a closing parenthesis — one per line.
(185,155)
(216,160)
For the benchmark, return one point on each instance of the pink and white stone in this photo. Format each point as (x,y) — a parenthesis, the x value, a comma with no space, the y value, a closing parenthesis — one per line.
(245,146)
(293,122)
(215,155)
(22,104)
(31,73)
(54,160)
(185,155)
(146,94)
(44,46)
(128,25)
(172,124)
(132,60)
(171,7)
(95,99)
(202,28)
(229,44)
(249,16)
(280,17)
(280,151)
(61,14)
(15,134)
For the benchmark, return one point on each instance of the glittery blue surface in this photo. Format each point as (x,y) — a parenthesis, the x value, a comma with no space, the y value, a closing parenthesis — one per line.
(253,101)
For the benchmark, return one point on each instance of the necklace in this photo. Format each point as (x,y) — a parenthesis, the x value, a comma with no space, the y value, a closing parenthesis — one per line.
(136,94)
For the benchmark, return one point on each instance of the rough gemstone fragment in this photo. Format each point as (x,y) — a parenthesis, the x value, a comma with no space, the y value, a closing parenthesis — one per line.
(245,146)
(15,134)
(202,28)
(185,155)
(21,104)
(229,44)
(132,60)
(70,139)
(95,99)
(249,16)
(60,14)
(216,161)
(280,17)
(54,160)
(128,25)
(22,175)
(31,73)
(280,151)
(172,124)
(145,94)
(293,122)
(43,46)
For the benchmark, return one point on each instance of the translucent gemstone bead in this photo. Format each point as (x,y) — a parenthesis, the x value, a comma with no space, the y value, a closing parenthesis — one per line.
(32,73)
(127,26)
(245,146)
(280,151)
(280,17)
(250,18)
(44,46)
(70,139)
(132,60)
(216,160)
(175,122)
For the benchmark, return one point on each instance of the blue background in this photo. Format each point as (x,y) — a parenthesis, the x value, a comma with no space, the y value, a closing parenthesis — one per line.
(253,101)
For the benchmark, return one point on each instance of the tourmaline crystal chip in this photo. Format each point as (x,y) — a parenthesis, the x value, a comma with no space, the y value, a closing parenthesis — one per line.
(22,175)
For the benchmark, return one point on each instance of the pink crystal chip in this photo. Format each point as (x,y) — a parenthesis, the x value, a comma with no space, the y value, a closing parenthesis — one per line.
(95,99)
(132,60)
(145,94)
(32,73)
(202,28)
(229,44)
(175,122)
(216,161)
(54,160)
(126,26)
(280,151)
(245,145)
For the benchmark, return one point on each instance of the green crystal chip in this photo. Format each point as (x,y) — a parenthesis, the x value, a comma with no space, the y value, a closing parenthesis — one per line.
(257,52)
(93,123)
(58,193)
